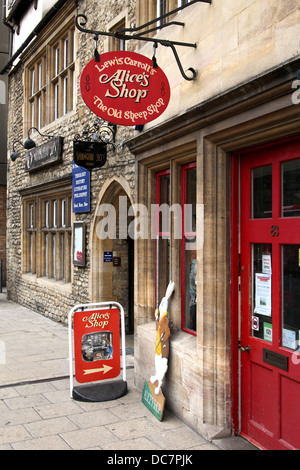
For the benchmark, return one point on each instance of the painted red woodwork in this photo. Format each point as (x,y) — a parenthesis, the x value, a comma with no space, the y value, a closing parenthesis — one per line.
(270,415)
(124,88)
(185,234)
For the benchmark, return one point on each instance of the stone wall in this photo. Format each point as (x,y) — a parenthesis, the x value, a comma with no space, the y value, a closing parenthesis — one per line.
(50,298)
(3,233)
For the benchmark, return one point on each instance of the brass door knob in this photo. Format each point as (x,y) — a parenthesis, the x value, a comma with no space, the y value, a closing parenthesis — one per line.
(245,349)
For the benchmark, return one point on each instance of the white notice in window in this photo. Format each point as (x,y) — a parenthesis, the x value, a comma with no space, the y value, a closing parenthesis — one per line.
(263,294)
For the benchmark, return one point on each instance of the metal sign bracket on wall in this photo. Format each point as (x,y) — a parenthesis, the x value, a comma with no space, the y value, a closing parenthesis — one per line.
(137,33)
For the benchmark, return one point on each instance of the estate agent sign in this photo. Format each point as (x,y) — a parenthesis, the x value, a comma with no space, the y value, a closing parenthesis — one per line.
(124,88)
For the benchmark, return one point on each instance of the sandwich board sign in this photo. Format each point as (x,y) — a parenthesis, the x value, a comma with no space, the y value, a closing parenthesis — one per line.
(95,343)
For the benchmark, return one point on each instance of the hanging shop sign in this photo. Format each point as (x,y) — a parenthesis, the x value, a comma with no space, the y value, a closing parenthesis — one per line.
(89,155)
(46,154)
(80,189)
(97,345)
(124,88)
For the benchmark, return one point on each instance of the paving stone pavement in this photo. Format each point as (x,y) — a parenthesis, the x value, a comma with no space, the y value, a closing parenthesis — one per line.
(37,413)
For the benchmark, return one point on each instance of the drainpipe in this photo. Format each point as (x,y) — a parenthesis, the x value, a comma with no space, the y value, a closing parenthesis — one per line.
(11,29)
(49,15)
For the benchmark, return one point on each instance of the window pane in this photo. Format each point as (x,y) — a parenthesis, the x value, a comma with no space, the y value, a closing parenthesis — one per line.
(291,188)
(163,236)
(40,76)
(46,254)
(31,252)
(56,103)
(54,256)
(57,61)
(32,82)
(290,296)
(164,198)
(62,256)
(262,291)
(190,209)
(32,114)
(190,264)
(163,267)
(65,95)
(262,192)
(66,53)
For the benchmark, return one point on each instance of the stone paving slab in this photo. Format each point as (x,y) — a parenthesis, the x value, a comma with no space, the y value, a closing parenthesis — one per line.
(37,413)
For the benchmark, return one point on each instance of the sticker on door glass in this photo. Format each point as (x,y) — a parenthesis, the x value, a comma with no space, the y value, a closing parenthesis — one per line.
(268,332)
(263,294)
(289,339)
(266,264)
(255,323)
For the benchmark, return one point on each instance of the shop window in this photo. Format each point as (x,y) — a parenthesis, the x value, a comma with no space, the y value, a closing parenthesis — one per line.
(47,236)
(162,234)
(187,230)
(188,250)
(50,80)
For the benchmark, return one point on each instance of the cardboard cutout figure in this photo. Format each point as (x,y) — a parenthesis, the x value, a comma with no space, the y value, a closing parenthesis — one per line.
(152,394)
(162,339)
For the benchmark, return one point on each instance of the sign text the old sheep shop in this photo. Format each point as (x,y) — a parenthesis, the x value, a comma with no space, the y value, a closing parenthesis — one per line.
(124,88)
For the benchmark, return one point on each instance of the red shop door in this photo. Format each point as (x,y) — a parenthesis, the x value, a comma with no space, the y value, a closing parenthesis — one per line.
(270,296)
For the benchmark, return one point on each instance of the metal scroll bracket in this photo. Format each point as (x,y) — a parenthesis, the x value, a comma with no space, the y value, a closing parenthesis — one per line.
(138,33)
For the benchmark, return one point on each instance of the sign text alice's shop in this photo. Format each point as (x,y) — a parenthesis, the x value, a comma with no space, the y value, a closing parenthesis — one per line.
(124,88)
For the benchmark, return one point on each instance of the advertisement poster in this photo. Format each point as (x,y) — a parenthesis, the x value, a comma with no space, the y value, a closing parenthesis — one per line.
(97,345)
(263,294)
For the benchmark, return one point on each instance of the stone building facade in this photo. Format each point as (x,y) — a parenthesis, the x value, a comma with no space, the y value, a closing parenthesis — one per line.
(227,147)
(4,50)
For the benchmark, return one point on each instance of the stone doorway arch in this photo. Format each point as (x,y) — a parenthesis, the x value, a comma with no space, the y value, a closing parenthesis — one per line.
(113,280)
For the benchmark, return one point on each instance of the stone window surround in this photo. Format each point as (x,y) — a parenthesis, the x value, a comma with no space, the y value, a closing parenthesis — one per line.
(40,58)
(35,199)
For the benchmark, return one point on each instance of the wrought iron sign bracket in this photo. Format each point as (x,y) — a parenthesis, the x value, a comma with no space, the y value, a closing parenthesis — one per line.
(138,34)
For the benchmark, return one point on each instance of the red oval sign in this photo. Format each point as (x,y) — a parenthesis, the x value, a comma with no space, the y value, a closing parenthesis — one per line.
(124,88)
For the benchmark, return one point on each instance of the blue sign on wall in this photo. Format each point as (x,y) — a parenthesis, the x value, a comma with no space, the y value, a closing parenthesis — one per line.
(108,256)
(80,189)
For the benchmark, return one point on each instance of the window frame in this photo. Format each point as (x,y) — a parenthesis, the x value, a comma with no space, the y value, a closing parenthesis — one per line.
(47,242)
(186,234)
(50,89)
(159,234)
(180,196)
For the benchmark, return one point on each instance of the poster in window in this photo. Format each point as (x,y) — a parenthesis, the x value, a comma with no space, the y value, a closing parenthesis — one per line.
(263,294)
(79,244)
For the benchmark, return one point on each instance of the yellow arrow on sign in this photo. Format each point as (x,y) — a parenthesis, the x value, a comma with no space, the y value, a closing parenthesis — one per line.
(104,369)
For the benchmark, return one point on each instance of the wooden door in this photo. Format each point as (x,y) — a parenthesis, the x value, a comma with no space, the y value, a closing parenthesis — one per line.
(270,296)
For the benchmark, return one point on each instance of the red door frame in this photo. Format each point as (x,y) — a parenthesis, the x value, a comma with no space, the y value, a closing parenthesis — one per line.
(235,250)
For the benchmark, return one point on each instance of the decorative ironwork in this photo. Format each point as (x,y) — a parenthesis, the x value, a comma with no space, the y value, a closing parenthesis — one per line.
(90,148)
(100,131)
(138,33)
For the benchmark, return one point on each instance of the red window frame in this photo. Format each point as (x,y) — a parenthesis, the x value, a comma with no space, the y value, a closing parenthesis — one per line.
(185,234)
(158,232)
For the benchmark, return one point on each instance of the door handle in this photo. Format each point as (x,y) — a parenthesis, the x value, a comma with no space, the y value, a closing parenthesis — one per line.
(245,349)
